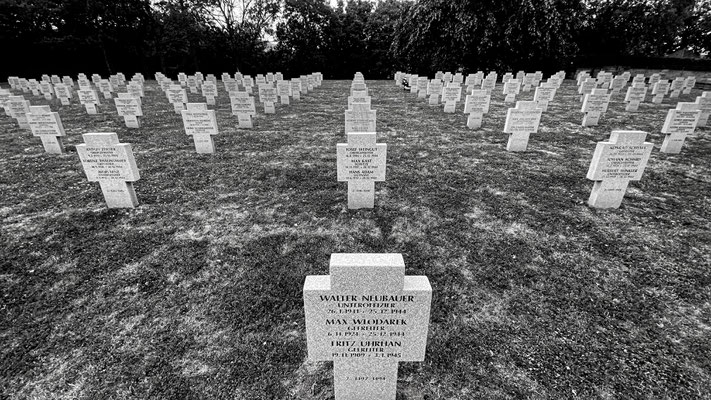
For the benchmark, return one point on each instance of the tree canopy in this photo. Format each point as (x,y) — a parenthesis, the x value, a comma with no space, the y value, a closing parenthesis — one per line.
(376,38)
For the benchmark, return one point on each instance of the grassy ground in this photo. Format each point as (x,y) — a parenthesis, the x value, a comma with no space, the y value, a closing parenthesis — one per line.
(196,293)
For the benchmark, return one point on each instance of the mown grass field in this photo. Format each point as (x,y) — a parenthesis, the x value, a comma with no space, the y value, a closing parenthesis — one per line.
(196,293)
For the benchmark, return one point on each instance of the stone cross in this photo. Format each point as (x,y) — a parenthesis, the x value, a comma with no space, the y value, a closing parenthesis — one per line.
(366,317)
(434,89)
(106,88)
(209,91)
(90,99)
(63,93)
(594,106)
(284,91)
(676,87)
(268,96)
(129,107)
(586,87)
(689,84)
(47,90)
(635,95)
(489,84)
(614,164)
(17,107)
(200,123)
(422,83)
(544,94)
(360,119)
(659,90)
(193,84)
(511,89)
(296,88)
(361,162)
(520,123)
(177,97)
(244,108)
(704,102)
(363,101)
(450,96)
(679,124)
(47,125)
(476,105)
(110,163)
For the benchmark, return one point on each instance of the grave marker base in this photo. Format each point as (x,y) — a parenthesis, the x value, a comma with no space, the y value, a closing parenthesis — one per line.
(361,194)
(119,194)
(90,108)
(518,142)
(450,106)
(703,119)
(107,95)
(591,118)
(48,96)
(672,143)
(657,99)
(131,121)
(434,100)
(674,94)
(245,121)
(510,98)
(269,107)
(381,382)
(421,94)
(632,106)
(52,144)
(687,91)
(474,120)
(65,101)
(284,100)
(178,107)
(297,95)
(210,100)
(204,144)
(607,194)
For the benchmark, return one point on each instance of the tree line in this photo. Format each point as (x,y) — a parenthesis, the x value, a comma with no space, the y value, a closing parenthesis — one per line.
(65,37)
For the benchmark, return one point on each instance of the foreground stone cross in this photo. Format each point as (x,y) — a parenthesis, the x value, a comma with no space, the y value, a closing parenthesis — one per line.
(614,164)
(680,123)
(366,316)
(201,124)
(110,163)
(47,125)
(361,162)
(520,123)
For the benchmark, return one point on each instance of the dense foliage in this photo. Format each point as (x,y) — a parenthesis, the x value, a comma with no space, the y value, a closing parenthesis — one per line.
(298,36)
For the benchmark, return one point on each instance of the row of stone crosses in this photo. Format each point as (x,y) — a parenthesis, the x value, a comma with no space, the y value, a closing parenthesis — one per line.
(615,162)
(111,163)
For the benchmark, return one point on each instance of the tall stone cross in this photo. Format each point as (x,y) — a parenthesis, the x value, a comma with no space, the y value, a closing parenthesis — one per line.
(47,125)
(614,164)
(680,123)
(366,316)
(201,124)
(521,122)
(110,163)
(361,162)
